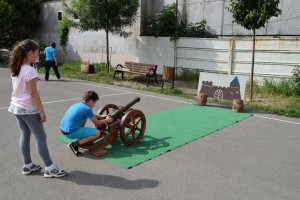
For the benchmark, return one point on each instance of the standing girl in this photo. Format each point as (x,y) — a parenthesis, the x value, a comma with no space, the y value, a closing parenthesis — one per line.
(28,109)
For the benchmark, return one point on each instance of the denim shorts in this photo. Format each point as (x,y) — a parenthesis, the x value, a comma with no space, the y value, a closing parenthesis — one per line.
(82,132)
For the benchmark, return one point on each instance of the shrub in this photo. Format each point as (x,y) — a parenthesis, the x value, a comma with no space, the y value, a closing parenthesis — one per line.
(189,75)
(296,79)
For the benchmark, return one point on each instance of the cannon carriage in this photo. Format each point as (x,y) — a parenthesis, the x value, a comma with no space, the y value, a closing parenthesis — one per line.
(127,122)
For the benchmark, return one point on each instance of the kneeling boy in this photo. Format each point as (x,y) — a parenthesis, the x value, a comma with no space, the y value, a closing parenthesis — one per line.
(73,123)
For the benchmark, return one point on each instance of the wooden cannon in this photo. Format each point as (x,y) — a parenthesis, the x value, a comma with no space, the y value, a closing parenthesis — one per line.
(130,123)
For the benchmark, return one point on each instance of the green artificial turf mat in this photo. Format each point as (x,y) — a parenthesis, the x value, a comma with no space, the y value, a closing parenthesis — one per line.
(168,130)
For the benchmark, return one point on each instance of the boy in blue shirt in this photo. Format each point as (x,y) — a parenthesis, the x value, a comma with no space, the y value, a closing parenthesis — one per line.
(73,123)
(51,61)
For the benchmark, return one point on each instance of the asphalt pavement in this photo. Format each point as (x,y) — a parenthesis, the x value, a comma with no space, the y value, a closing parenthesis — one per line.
(256,158)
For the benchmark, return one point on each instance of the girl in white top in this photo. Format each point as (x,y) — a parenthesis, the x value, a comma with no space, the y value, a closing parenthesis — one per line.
(28,109)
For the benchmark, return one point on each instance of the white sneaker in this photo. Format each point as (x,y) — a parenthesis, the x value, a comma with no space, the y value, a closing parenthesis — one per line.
(54,172)
(33,168)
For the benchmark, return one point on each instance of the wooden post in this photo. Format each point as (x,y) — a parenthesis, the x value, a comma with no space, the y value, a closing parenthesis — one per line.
(85,68)
(238,105)
(201,99)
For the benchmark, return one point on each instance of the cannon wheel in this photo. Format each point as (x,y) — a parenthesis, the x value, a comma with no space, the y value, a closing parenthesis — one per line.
(106,110)
(132,127)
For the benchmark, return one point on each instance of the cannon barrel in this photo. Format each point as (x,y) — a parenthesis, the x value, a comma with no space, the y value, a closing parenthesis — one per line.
(123,109)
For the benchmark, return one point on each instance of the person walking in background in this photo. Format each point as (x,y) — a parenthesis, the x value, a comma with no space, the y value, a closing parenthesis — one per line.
(26,105)
(51,61)
(36,64)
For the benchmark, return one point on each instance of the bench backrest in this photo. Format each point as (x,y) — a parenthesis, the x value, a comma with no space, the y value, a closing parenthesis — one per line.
(140,67)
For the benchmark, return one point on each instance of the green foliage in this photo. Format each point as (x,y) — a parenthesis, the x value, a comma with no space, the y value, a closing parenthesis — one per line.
(253,14)
(197,30)
(166,24)
(276,86)
(296,79)
(42,45)
(64,28)
(291,110)
(111,16)
(188,75)
(283,87)
(18,20)
(170,91)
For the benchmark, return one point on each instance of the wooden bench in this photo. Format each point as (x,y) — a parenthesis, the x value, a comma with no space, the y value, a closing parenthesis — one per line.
(149,70)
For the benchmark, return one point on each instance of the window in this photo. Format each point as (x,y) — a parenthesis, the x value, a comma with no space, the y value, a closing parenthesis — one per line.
(59,15)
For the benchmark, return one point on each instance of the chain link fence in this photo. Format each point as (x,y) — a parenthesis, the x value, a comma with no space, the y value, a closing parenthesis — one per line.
(219,19)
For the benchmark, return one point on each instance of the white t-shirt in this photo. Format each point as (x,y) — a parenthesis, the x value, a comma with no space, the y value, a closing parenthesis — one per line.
(20,96)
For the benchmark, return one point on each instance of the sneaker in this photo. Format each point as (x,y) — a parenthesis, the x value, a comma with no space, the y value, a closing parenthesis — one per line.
(33,168)
(55,172)
(74,148)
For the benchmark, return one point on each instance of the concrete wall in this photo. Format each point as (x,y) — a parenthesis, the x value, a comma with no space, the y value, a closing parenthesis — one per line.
(159,51)
(273,57)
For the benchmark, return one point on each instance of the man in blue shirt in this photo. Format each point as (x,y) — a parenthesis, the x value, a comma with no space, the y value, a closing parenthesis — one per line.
(51,61)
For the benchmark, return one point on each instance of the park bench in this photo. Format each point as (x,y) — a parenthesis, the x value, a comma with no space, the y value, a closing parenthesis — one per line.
(149,70)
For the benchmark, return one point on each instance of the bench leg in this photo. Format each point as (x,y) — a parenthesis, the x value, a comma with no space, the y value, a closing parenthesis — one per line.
(147,81)
(156,80)
(116,72)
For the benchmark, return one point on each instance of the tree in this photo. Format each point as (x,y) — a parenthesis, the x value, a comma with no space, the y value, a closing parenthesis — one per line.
(164,23)
(18,19)
(253,15)
(112,16)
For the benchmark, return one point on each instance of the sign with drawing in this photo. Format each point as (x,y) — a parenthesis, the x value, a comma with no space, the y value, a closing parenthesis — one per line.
(221,86)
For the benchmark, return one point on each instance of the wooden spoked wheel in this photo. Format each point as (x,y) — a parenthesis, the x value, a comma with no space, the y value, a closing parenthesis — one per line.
(106,110)
(132,127)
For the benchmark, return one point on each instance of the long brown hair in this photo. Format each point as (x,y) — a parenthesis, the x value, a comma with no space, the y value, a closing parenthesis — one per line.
(19,53)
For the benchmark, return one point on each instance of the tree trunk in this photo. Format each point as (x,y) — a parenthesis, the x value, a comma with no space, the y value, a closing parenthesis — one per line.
(107,40)
(107,53)
(252,68)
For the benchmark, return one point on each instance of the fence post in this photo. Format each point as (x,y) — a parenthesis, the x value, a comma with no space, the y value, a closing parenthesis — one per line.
(230,54)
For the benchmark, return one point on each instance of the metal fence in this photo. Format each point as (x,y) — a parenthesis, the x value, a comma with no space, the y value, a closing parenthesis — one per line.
(219,19)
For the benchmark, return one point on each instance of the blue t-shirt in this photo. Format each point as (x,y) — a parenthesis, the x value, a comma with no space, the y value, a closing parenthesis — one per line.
(75,117)
(50,52)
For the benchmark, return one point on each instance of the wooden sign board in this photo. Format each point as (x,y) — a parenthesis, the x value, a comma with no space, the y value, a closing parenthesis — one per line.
(221,86)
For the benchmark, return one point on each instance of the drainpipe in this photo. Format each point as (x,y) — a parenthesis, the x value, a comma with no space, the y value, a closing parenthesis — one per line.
(230,54)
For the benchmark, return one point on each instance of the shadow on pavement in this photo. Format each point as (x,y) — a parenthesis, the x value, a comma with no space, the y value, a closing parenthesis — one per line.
(84,178)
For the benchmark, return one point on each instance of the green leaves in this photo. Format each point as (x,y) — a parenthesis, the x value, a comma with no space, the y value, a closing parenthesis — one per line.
(166,24)
(18,20)
(253,14)
(109,15)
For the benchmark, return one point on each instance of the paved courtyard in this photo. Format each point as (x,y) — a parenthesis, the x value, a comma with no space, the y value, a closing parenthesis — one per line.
(257,158)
